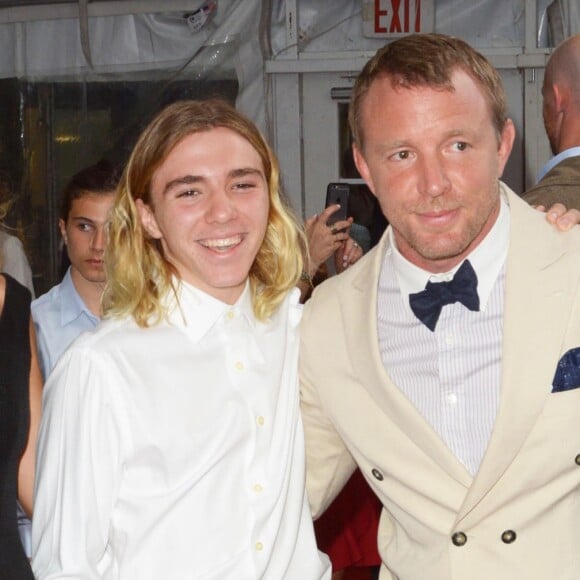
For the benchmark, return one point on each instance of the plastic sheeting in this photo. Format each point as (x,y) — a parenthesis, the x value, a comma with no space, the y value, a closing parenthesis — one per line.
(486,24)
(560,20)
(336,26)
(225,45)
(165,42)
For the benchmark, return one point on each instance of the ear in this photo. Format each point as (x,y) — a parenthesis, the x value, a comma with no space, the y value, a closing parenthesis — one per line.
(506,142)
(148,220)
(62,228)
(363,168)
(560,98)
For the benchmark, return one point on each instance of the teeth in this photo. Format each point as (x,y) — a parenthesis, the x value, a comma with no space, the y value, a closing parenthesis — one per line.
(221,242)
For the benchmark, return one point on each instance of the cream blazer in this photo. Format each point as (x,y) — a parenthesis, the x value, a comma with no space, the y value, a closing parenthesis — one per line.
(519,517)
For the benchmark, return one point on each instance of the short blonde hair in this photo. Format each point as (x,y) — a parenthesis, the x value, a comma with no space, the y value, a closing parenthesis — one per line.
(139,276)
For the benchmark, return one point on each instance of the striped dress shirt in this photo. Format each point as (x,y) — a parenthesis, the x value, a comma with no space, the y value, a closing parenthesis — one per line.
(452,375)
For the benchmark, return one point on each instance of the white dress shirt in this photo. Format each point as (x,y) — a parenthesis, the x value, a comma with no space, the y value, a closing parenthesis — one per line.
(60,315)
(452,375)
(182,445)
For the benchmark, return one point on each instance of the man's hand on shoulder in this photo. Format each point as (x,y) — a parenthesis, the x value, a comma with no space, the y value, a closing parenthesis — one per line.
(560,216)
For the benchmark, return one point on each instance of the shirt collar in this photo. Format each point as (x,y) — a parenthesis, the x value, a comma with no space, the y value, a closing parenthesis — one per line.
(487,260)
(71,303)
(571,152)
(198,312)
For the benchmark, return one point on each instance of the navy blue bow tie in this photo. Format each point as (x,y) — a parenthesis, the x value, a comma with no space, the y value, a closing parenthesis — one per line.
(427,305)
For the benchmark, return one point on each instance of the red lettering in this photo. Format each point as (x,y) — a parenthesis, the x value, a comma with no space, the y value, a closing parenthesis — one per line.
(418,16)
(396,21)
(407,2)
(378,14)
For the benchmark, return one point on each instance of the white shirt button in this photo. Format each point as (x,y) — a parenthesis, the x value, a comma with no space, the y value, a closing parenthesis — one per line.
(259,546)
(258,488)
(230,314)
(239,366)
(452,398)
(260,421)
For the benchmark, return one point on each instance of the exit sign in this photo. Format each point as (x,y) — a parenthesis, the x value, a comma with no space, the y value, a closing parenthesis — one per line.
(392,18)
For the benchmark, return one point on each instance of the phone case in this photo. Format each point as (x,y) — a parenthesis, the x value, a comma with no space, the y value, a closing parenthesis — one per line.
(337,193)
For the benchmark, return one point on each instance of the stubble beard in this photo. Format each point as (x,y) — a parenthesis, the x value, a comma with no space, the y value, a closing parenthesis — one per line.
(450,245)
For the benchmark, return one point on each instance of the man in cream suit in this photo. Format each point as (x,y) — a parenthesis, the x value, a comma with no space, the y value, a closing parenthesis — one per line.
(445,363)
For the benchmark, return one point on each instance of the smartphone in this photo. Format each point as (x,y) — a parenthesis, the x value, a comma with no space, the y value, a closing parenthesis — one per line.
(337,193)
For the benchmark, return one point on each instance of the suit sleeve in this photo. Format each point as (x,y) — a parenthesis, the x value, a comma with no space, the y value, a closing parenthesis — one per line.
(329,464)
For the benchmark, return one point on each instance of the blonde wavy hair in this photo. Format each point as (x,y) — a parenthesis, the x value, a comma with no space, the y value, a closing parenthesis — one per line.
(139,276)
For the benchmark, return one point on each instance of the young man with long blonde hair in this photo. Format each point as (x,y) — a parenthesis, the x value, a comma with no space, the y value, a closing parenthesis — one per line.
(175,425)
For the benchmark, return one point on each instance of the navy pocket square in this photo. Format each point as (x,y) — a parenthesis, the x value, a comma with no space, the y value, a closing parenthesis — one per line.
(567,375)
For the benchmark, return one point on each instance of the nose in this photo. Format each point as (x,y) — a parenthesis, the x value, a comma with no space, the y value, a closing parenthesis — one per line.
(434,180)
(221,207)
(99,240)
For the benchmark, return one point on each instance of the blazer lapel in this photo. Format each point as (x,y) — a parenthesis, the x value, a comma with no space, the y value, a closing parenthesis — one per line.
(360,318)
(539,293)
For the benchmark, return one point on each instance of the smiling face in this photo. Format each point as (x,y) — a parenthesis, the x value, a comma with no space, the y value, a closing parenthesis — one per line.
(209,209)
(85,237)
(433,159)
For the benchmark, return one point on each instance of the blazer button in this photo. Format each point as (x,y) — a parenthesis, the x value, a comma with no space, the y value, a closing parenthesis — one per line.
(459,539)
(377,474)
(508,537)
(577,459)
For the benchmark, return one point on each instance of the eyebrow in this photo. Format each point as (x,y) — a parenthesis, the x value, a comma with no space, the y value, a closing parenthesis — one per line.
(80,218)
(193,179)
(469,133)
